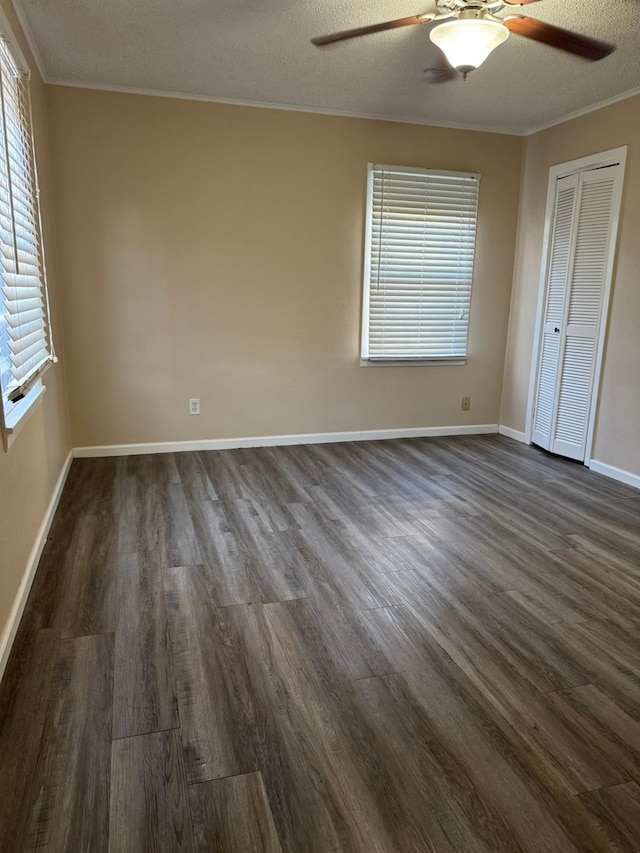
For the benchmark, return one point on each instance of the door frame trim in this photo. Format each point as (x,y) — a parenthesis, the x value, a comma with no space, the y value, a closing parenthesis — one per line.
(561,170)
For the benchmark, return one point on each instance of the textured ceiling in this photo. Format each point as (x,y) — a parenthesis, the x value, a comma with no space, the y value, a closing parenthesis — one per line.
(259,51)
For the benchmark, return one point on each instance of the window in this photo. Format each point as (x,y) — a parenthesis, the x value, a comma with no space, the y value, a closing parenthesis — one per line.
(420,243)
(25,338)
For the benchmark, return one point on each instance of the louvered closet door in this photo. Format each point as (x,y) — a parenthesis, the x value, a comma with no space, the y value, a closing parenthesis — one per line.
(584,309)
(554,311)
(581,244)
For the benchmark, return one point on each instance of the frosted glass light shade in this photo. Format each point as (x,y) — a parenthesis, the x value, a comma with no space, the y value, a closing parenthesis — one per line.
(467,43)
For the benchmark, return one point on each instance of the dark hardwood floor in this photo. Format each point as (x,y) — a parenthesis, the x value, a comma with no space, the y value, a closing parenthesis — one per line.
(415,645)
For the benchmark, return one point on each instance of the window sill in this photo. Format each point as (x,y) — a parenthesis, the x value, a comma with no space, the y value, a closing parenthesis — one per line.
(411,362)
(20,414)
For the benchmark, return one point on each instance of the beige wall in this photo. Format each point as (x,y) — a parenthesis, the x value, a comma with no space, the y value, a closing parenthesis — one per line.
(215,251)
(30,469)
(616,440)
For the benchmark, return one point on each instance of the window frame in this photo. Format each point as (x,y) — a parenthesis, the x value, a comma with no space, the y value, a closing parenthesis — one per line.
(15,414)
(367,360)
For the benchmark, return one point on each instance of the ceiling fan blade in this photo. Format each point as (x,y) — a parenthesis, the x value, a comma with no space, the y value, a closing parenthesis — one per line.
(579,45)
(320,41)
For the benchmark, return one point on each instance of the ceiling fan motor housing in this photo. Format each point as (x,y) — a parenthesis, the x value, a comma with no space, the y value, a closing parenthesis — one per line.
(456,7)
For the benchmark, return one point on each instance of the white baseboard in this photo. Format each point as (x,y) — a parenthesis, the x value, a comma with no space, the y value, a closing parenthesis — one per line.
(11,628)
(615,473)
(512,433)
(274,440)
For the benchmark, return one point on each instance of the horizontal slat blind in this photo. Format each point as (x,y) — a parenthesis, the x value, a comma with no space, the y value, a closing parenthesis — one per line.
(421,250)
(25,344)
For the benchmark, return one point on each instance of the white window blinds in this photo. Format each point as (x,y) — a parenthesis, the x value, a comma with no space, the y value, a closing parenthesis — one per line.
(421,233)
(25,337)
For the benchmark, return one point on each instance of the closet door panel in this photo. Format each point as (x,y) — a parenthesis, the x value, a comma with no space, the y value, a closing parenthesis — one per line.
(574,397)
(584,309)
(592,249)
(545,401)
(554,311)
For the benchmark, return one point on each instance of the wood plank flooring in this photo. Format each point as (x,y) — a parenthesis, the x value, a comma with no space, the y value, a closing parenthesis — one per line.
(385,647)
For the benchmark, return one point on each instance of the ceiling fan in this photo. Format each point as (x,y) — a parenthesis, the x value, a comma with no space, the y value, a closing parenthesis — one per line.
(475,29)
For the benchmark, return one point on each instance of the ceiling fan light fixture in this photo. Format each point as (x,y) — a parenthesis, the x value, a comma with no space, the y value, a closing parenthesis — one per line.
(468,42)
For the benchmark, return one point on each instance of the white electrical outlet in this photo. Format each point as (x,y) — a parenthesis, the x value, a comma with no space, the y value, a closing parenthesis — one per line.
(194,406)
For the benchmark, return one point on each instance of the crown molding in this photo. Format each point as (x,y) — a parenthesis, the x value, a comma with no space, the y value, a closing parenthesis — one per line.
(184,96)
(424,122)
(31,40)
(600,105)
(211,99)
